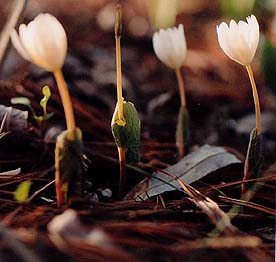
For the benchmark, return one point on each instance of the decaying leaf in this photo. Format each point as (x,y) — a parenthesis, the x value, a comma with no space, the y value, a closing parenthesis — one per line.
(254,157)
(66,232)
(191,168)
(16,120)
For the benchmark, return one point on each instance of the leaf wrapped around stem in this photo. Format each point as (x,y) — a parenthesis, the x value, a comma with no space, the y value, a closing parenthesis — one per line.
(254,158)
(182,134)
(128,136)
(68,163)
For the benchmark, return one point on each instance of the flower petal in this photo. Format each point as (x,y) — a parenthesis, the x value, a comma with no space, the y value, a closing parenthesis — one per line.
(18,45)
(170,46)
(44,42)
(240,40)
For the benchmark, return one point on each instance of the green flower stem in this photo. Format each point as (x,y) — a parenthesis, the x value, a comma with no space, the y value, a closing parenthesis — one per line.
(181,87)
(256,99)
(66,102)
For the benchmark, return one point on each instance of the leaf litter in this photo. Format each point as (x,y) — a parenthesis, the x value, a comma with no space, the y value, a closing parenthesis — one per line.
(196,165)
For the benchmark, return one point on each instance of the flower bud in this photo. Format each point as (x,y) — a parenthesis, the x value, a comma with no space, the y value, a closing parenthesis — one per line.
(170,46)
(240,40)
(43,42)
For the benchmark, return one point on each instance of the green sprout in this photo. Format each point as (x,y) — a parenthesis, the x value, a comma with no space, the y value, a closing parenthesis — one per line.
(40,119)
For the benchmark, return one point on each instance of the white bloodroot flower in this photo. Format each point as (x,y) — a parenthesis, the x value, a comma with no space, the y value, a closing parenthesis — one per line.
(240,40)
(43,42)
(170,46)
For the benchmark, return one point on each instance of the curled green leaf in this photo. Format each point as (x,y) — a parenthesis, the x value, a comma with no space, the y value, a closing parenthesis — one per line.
(68,164)
(128,136)
(47,94)
(254,158)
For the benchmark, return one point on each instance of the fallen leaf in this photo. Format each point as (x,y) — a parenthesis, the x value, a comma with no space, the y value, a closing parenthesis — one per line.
(189,169)
(15,119)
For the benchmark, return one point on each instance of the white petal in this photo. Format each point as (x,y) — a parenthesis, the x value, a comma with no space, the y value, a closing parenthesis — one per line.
(18,45)
(161,47)
(170,46)
(222,31)
(26,34)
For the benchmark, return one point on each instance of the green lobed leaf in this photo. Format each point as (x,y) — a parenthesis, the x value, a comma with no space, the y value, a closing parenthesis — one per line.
(254,157)
(128,136)
(21,194)
(182,134)
(68,163)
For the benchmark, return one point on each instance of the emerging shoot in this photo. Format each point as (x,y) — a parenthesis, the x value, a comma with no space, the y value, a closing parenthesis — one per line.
(40,119)
(170,47)
(44,42)
(239,41)
(125,122)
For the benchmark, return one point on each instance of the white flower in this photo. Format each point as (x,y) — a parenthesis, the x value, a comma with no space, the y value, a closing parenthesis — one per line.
(170,46)
(239,41)
(43,42)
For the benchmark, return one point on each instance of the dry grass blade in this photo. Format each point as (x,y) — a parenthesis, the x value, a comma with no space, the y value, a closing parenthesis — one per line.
(2,134)
(220,242)
(240,202)
(10,24)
